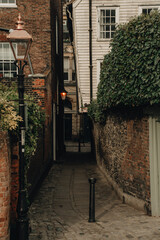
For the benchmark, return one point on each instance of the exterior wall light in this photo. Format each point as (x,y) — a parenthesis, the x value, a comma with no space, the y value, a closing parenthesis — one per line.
(63,94)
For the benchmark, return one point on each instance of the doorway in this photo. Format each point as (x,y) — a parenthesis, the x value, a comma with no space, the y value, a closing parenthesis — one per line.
(68,126)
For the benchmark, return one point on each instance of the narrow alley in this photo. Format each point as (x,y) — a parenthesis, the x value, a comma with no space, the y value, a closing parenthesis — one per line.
(60,208)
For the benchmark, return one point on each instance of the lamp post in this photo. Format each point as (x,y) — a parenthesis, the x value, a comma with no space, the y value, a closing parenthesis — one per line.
(20,42)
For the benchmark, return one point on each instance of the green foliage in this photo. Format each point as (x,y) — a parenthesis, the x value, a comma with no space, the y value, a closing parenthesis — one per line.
(95,112)
(130,74)
(9,117)
(36,118)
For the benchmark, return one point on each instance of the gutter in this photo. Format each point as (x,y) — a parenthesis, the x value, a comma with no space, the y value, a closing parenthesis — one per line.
(90,49)
(69,10)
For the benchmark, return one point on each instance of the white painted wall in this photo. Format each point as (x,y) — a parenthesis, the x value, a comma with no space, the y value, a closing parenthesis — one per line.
(127,10)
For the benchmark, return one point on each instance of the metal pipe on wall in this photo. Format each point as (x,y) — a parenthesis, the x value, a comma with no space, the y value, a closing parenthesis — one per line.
(90,48)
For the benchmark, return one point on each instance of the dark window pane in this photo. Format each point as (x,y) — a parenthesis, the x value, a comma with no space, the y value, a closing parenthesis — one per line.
(73,76)
(65,75)
(107,27)
(112,34)
(144,11)
(107,13)
(66,36)
(149,10)
(113,13)
(1,66)
(13,66)
(107,20)
(112,20)
(13,74)
(4,1)
(6,66)
(113,27)
(107,34)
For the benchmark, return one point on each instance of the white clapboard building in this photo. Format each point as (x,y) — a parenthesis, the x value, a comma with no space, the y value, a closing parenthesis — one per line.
(93,23)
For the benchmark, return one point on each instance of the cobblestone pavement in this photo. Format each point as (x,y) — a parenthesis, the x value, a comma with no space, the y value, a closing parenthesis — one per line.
(60,209)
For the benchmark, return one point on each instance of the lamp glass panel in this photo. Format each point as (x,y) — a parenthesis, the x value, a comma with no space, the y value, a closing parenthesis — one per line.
(21,50)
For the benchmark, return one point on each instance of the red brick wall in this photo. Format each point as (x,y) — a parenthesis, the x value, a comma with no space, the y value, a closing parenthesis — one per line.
(14,178)
(122,148)
(4,186)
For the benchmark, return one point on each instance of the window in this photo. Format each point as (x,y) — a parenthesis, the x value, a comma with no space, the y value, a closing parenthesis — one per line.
(7,3)
(147,9)
(7,66)
(66,68)
(69,69)
(65,31)
(108,18)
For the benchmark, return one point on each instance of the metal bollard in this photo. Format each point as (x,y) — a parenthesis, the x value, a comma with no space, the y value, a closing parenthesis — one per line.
(92,182)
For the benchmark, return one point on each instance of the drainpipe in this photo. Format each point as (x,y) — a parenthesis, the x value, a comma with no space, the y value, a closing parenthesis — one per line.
(90,47)
(4,29)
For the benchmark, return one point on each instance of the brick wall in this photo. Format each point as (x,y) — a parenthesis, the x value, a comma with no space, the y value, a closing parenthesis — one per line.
(4,186)
(40,87)
(14,178)
(43,156)
(122,150)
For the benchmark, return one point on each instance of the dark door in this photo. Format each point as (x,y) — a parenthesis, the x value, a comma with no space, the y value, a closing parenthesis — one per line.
(86,128)
(68,126)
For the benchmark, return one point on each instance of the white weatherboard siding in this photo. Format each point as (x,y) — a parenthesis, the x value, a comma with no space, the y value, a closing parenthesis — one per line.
(127,10)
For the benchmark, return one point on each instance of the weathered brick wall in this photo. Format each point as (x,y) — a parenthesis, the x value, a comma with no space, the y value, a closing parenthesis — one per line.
(4,186)
(43,156)
(122,148)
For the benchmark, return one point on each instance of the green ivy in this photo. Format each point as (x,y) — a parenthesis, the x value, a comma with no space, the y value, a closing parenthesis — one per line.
(36,117)
(130,74)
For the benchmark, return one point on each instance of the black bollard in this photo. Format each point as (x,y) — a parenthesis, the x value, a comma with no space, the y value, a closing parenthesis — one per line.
(92,182)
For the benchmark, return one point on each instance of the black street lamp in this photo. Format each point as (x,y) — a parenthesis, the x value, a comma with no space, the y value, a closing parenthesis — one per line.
(20,42)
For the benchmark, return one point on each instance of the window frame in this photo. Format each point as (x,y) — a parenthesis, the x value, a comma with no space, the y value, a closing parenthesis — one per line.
(71,69)
(8,5)
(116,8)
(9,61)
(65,31)
(147,7)
(66,70)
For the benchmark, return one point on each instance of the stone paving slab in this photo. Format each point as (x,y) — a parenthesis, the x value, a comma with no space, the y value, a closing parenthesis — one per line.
(60,209)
